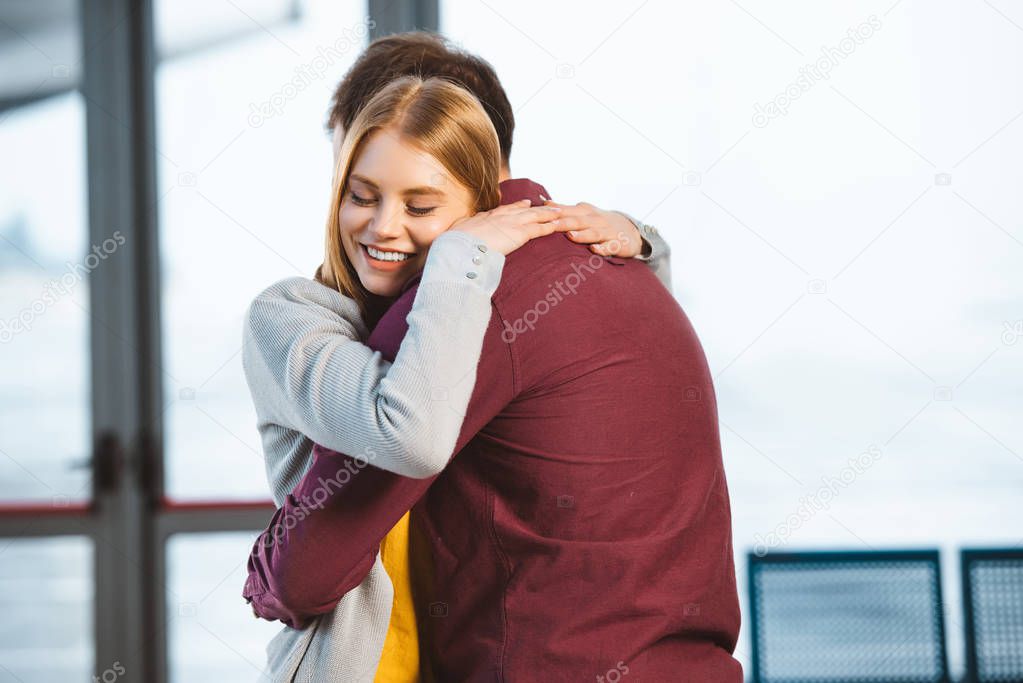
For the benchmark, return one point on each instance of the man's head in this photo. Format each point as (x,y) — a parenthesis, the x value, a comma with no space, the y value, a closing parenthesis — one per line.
(427,55)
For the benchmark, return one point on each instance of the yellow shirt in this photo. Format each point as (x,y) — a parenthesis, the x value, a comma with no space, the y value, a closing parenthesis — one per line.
(399,661)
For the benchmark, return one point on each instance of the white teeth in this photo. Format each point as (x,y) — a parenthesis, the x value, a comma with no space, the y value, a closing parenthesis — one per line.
(387,255)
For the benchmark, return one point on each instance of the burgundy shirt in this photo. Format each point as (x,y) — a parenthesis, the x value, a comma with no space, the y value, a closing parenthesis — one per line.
(583,526)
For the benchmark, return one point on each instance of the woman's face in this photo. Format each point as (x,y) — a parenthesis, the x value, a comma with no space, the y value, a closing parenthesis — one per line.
(398,200)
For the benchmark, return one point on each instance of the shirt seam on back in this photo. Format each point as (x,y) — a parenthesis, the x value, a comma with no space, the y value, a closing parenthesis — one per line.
(506,564)
(516,384)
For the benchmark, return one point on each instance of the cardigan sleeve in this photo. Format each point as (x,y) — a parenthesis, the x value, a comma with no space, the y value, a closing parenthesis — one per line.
(324,538)
(308,371)
(659,256)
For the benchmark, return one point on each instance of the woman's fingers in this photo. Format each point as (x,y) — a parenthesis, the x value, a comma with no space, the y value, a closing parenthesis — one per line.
(586,236)
(608,232)
(581,218)
(541,214)
(579,224)
(605,248)
(538,228)
(516,223)
(580,209)
(514,207)
(516,214)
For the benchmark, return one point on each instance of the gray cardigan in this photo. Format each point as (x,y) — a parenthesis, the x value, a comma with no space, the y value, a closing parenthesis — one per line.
(312,379)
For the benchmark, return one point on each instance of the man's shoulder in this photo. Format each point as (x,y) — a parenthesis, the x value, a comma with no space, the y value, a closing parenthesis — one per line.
(545,259)
(543,253)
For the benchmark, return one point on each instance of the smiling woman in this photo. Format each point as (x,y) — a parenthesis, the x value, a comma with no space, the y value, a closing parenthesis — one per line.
(397,201)
(403,177)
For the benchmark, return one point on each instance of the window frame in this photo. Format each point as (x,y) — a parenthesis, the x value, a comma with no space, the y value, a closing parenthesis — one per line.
(128,518)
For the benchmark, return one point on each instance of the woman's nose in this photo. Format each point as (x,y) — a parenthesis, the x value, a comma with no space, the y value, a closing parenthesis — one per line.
(387,223)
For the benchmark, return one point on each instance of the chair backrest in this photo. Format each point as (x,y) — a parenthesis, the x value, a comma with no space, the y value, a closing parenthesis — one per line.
(993,611)
(847,617)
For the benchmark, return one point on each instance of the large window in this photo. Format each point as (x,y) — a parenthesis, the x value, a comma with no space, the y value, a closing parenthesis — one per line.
(47,596)
(850,257)
(46,583)
(244,170)
(178,138)
(44,310)
(244,180)
(838,184)
(211,636)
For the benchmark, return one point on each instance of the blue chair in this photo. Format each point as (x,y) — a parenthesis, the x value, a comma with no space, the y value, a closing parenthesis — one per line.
(847,617)
(993,610)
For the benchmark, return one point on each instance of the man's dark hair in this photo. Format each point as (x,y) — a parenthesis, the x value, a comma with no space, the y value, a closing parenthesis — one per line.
(425,54)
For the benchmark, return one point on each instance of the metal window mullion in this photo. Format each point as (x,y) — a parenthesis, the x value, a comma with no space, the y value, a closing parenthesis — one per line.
(396,16)
(45,526)
(117,88)
(254,520)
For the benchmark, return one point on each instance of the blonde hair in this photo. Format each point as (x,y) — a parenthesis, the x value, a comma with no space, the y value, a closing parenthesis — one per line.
(441,119)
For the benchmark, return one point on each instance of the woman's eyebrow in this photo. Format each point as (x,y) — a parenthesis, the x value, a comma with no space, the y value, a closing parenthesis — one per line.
(364,180)
(426,190)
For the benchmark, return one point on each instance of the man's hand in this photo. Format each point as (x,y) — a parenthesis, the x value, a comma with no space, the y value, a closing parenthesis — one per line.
(608,233)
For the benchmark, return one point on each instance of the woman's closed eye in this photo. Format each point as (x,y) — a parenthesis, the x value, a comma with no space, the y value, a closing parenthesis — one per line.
(370,201)
(420,210)
(360,201)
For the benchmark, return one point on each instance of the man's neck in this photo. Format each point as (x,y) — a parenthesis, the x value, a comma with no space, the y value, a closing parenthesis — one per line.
(504,174)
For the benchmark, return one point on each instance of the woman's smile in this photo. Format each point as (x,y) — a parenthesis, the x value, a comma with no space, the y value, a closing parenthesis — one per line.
(386,259)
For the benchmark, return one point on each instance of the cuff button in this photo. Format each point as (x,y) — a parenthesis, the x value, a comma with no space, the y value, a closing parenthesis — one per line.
(477,260)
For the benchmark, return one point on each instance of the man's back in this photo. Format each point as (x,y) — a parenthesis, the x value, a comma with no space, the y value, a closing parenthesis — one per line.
(584,528)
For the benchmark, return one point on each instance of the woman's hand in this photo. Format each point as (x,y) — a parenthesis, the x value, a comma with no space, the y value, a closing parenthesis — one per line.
(509,226)
(608,233)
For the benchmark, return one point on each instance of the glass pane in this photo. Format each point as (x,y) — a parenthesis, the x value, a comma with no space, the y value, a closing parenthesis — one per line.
(212,633)
(46,597)
(244,176)
(44,258)
(846,243)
